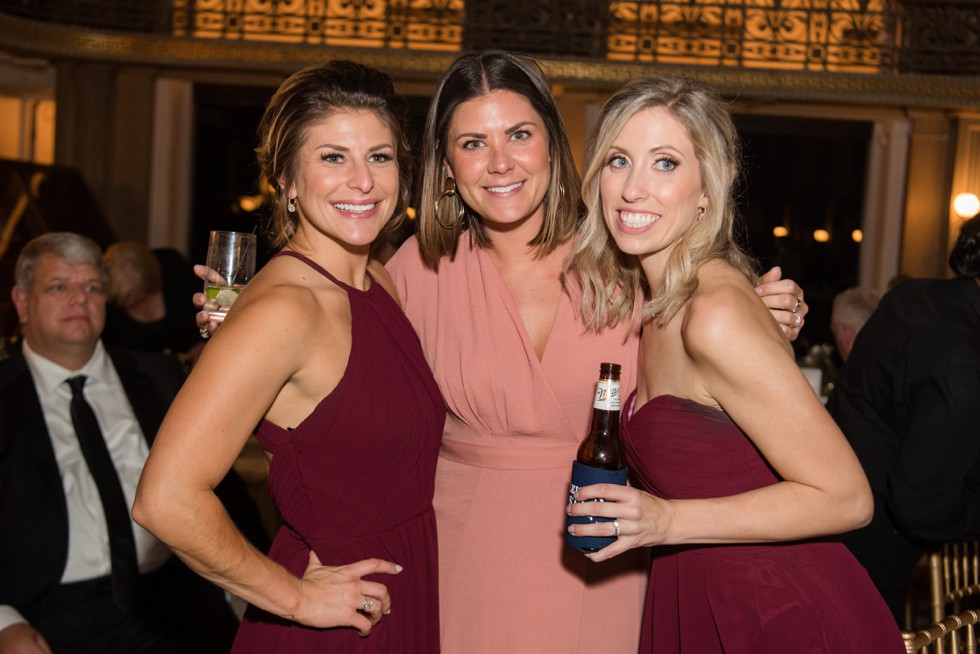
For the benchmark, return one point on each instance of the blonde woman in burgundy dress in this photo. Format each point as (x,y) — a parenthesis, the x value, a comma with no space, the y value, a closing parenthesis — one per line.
(744,476)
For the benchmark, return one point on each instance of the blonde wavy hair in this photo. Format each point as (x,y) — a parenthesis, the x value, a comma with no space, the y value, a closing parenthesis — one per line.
(613,282)
(134,272)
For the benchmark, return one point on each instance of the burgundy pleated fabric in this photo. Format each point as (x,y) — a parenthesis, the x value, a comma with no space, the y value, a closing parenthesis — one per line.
(354,480)
(805,597)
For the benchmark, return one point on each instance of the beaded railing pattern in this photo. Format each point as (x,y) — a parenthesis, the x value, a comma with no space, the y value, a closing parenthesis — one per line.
(855,36)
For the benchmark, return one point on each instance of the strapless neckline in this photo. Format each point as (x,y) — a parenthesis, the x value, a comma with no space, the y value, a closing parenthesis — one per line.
(666,398)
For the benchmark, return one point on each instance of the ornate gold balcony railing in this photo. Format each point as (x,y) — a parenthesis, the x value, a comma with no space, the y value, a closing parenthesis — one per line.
(854,36)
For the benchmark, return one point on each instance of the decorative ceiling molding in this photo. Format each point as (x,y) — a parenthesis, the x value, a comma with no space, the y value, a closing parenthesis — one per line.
(58,42)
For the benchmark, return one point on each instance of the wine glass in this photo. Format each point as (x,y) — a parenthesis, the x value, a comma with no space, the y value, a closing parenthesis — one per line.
(231,264)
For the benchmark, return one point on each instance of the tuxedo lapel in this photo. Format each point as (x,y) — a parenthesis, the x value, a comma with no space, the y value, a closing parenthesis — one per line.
(27,420)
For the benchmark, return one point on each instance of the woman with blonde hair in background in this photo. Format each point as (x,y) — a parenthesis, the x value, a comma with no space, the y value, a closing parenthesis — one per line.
(149,306)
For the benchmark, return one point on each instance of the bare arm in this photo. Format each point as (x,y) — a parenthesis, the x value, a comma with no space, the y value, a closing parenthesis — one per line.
(233,385)
(743,364)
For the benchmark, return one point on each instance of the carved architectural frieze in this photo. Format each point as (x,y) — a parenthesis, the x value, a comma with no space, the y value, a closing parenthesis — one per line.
(886,52)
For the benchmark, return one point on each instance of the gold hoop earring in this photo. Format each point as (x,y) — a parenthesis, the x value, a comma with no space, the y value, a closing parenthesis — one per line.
(291,205)
(449,192)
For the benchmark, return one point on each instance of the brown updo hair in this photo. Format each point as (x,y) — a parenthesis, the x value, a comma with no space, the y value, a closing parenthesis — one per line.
(308,97)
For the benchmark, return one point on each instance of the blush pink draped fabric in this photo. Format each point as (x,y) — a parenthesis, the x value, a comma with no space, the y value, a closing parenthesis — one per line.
(507,581)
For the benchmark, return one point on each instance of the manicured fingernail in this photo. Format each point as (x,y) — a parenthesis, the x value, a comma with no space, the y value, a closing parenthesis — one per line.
(398,568)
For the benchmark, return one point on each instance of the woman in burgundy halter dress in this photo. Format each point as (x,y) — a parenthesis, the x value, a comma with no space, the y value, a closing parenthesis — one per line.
(318,354)
(744,475)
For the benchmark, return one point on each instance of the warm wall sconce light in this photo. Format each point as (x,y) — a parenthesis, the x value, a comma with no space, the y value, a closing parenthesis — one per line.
(780,232)
(251,202)
(857,236)
(966,205)
(821,235)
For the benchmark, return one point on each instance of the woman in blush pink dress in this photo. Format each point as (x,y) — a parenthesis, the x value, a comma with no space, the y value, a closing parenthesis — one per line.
(743,474)
(501,327)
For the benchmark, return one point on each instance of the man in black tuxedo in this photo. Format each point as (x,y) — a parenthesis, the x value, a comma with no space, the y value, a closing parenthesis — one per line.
(76,574)
(908,400)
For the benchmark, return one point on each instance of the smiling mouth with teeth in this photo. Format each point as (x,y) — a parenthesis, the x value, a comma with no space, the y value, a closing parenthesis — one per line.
(636,220)
(504,189)
(357,208)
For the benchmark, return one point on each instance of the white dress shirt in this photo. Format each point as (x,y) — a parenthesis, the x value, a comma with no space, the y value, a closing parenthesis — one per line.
(88,535)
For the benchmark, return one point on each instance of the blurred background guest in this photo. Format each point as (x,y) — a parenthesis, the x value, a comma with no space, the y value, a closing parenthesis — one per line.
(852,308)
(908,402)
(149,307)
(76,420)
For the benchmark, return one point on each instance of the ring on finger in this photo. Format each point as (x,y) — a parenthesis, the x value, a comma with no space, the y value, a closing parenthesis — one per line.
(796,307)
(796,323)
(205,334)
(368,604)
(616,526)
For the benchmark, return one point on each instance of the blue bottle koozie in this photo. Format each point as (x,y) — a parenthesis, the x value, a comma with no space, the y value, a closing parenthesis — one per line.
(585,475)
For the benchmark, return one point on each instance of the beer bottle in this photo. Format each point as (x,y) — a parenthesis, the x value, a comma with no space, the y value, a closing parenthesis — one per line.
(600,456)
(601,448)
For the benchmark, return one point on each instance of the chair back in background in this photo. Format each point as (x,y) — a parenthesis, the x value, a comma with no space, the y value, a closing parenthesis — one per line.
(954,575)
(954,634)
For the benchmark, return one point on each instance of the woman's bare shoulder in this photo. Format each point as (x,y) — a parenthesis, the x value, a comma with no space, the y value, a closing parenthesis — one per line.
(288,293)
(725,308)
